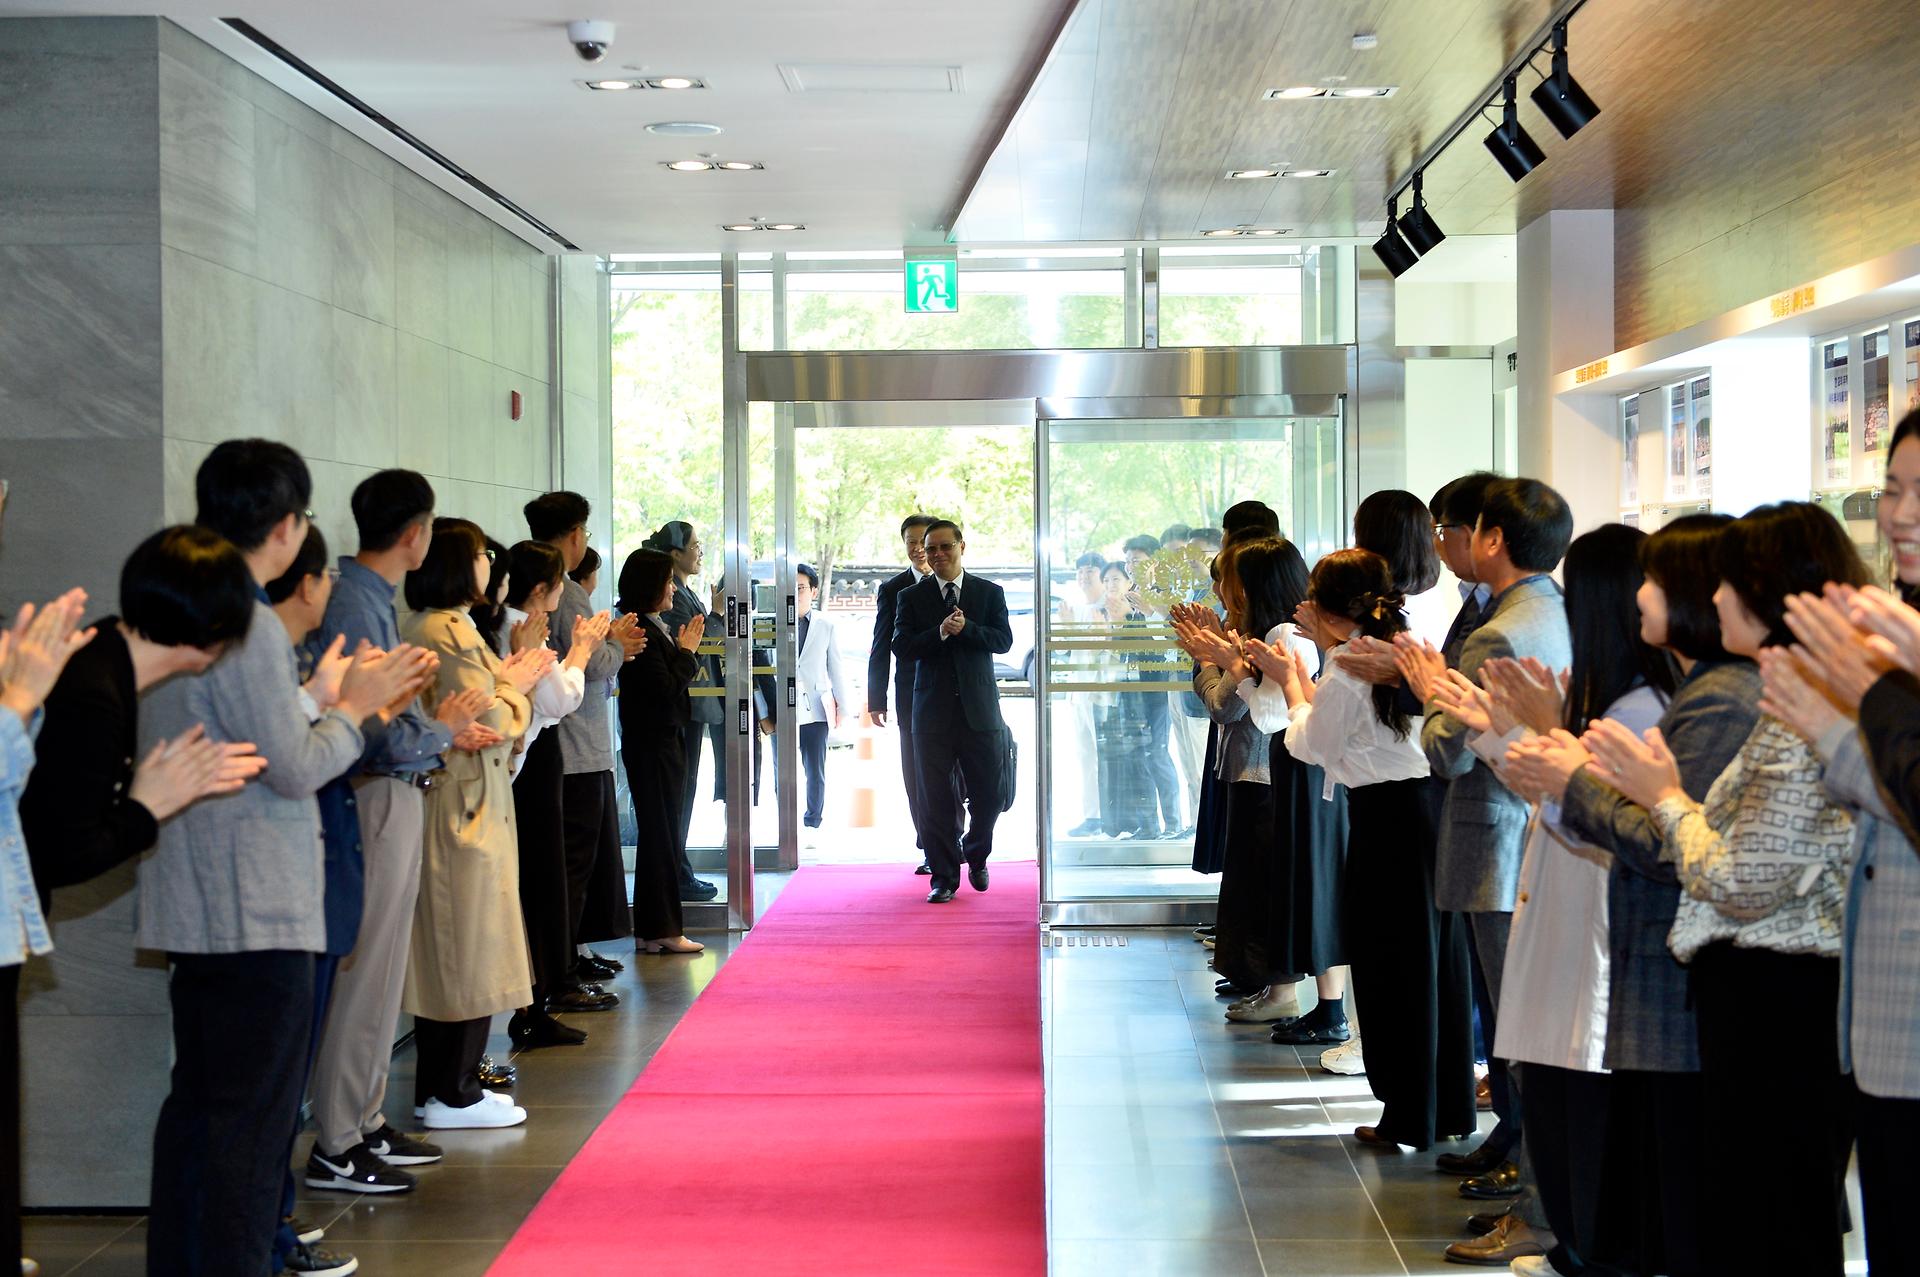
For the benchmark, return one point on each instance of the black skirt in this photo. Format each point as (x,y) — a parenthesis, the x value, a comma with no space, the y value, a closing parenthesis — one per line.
(537,812)
(1210,826)
(656,777)
(1309,881)
(1242,937)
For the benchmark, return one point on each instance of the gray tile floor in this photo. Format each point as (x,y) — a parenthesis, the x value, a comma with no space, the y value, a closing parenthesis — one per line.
(1177,1144)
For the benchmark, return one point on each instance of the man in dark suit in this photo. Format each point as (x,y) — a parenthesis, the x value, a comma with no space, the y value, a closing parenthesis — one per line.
(952,625)
(880,658)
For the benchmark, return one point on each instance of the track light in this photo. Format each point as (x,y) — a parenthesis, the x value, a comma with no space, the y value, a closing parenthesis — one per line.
(1418,227)
(1391,249)
(1517,152)
(1564,103)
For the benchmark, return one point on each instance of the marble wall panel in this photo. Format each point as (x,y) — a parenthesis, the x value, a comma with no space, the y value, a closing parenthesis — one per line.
(79,340)
(295,376)
(420,269)
(470,417)
(333,485)
(209,338)
(207,202)
(469,289)
(79,87)
(422,411)
(75,507)
(294,197)
(363,241)
(513,328)
(363,391)
(514,447)
(180,461)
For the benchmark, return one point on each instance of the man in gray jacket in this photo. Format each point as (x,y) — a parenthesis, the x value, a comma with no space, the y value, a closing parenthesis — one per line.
(234,891)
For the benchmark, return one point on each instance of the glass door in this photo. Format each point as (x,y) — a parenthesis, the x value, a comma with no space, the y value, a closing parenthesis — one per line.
(1132,512)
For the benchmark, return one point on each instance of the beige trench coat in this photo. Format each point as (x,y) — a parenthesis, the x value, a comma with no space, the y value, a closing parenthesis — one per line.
(469,954)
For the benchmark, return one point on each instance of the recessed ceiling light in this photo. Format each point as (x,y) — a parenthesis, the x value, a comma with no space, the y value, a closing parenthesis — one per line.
(1265,231)
(683,128)
(743,226)
(1223,232)
(1297,91)
(689,166)
(1254,172)
(1307,172)
(610,86)
(739,166)
(1385,92)
(787,226)
(675,82)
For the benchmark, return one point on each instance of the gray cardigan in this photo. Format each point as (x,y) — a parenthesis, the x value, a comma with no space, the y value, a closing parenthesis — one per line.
(586,735)
(245,871)
(1241,753)
(1649,1025)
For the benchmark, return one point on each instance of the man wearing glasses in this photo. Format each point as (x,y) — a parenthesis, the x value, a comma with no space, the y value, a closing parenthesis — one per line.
(952,625)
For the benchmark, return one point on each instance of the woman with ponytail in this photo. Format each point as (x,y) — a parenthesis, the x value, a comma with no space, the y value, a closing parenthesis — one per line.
(1408,957)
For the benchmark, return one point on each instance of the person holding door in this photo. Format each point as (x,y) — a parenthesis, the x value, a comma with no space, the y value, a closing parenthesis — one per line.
(953,625)
(820,694)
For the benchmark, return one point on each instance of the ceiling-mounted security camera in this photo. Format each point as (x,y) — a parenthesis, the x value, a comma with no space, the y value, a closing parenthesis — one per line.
(591,38)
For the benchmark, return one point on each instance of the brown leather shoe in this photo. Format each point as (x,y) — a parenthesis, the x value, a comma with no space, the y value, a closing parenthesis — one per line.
(1502,1181)
(1483,1096)
(1371,1135)
(1510,1239)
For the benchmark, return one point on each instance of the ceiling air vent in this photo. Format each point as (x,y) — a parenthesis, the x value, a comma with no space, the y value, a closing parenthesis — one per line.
(871,77)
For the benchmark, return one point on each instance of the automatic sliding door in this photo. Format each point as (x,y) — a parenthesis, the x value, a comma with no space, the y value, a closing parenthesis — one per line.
(1132,515)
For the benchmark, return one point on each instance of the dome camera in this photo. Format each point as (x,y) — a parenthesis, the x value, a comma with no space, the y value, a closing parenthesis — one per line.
(591,38)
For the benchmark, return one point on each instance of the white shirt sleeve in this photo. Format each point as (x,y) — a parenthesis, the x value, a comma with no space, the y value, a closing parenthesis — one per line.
(559,692)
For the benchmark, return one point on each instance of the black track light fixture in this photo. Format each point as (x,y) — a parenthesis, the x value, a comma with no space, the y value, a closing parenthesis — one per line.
(1559,97)
(1517,152)
(1391,249)
(1417,227)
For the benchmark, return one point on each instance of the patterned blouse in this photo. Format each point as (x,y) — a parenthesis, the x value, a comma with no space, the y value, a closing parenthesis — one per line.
(1764,861)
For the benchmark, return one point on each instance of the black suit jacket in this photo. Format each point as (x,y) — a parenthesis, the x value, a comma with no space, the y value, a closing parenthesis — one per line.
(880,654)
(654,703)
(953,684)
(1890,725)
(76,814)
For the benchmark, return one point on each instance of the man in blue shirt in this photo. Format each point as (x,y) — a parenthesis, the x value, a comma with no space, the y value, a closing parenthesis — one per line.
(356,1149)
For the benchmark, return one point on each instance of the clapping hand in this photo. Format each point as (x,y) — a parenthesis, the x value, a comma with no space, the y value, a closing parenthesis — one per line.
(627,633)
(1420,664)
(953,623)
(457,711)
(1793,698)
(1527,691)
(180,772)
(1541,767)
(532,632)
(1472,705)
(37,648)
(476,736)
(1642,769)
(1286,665)
(329,669)
(1847,661)
(690,634)
(1370,660)
(589,632)
(1311,622)
(1894,627)
(375,679)
(523,670)
(1196,614)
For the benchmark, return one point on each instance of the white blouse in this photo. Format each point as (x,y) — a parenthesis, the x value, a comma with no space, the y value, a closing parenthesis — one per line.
(1340,732)
(555,696)
(1266,699)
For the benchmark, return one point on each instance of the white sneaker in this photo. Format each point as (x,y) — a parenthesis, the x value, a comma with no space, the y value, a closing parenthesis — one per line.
(1344,1059)
(483,1115)
(1534,1266)
(1275,1002)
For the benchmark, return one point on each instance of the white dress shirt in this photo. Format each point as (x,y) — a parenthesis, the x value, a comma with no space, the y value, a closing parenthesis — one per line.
(959,584)
(1266,699)
(1340,732)
(557,694)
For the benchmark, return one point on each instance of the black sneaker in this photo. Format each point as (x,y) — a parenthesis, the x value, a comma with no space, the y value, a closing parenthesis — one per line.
(1325,1025)
(303,1232)
(397,1148)
(314,1262)
(358,1170)
(697,892)
(595,968)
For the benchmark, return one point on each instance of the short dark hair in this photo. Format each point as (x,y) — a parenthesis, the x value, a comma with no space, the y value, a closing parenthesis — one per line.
(1273,576)
(643,577)
(1533,519)
(1115,565)
(552,515)
(1774,551)
(1242,515)
(1206,536)
(589,564)
(1176,532)
(445,577)
(1681,558)
(532,565)
(806,570)
(1397,526)
(186,586)
(915,521)
(1091,559)
(310,561)
(936,524)
(245,488)
(1143,543)
(1602,575)
(386,504)
(1459,500)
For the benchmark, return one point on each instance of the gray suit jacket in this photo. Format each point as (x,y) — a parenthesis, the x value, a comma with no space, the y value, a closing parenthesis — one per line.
(586,735)
(245,871)
(1649,1025)
(1242,748)
(1483,825)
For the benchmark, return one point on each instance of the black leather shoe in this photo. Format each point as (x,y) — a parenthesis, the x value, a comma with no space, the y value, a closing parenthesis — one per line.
(595,969)
(940,896)
(1481,1225)
(1317,1027)
(583,999)
(697,892)
(601,958)
(1502,1181)
(1478,1162)
(977,878)
(540,1029)
(496,1075)
(925,869)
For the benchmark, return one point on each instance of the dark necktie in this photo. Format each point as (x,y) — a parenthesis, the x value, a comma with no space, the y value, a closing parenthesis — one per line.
(953,596)
(805,621)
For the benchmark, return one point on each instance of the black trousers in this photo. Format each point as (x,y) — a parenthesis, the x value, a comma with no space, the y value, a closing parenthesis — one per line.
(325,967)
(690,790)
(1757,1218)
(447,1060)
(546,902)
(813,762)
(241,1028)
(1650,1183)
(596,875)
(1566,1148)
(977,757)
(1410,965)
(1487,942)
(654,780)
(1889,1130)
(10,1119)
(910,764)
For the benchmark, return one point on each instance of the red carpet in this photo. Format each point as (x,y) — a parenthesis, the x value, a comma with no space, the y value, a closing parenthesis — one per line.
(858,1091)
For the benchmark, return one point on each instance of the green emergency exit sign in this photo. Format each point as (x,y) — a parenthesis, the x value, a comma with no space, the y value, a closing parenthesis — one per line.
(933,286)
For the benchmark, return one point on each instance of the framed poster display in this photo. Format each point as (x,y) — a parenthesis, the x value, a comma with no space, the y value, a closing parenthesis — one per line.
(1630,453)
(1836,403)
(1679,448)
(1875,424)
(1910,346)
(1700,416)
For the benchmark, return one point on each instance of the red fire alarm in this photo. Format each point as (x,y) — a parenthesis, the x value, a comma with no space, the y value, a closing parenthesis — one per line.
(513,405)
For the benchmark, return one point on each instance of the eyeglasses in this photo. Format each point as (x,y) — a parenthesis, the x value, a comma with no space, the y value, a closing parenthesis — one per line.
(489,553)
(1441,529)
(307,515)
(333,574)
(942,546)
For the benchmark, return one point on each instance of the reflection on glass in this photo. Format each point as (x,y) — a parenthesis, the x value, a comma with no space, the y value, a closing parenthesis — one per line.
(1875,425)
(1700,410)
(1836,457)
(1629,453)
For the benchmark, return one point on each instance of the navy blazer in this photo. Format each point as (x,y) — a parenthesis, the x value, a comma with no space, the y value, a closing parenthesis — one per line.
(953,682)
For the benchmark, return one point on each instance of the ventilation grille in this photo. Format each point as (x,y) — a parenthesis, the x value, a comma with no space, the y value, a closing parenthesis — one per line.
(1056,940)
(872,77)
